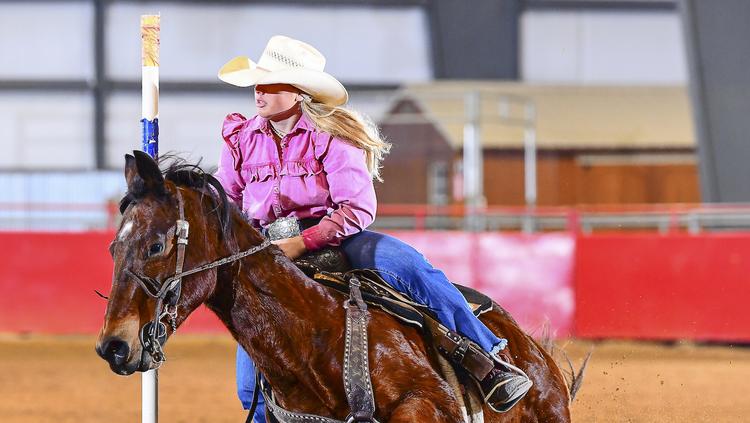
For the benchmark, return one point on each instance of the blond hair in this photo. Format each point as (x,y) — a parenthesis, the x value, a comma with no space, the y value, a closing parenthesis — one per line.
(351,127)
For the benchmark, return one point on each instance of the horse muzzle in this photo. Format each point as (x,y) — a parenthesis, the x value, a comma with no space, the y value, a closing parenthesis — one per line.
(121,358)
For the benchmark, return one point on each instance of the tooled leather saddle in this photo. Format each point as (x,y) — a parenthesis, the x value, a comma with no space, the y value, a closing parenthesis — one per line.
(329,266)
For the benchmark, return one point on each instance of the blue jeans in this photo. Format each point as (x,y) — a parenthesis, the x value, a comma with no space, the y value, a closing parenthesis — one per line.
(405,269)
(246,385)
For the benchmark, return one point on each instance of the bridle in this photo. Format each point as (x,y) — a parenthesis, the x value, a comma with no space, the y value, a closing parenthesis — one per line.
(153,334)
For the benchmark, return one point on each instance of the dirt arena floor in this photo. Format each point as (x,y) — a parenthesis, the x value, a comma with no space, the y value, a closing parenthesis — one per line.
(60,379)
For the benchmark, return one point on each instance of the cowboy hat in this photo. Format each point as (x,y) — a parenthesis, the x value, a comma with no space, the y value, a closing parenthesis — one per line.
(287,61)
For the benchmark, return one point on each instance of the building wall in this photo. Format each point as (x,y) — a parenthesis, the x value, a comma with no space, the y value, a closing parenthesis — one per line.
(415,148)
(51,44)
(574,178)
(42,130)
(585,47)
(564,178)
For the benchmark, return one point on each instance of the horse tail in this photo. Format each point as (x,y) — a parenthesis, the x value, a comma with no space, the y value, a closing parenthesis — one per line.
(573,378)
(576,378)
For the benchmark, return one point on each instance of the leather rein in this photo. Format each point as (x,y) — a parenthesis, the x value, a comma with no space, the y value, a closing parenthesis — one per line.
(153,334)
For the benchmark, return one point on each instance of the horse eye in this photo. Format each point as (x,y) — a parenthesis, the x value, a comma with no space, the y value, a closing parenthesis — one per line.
(155,249)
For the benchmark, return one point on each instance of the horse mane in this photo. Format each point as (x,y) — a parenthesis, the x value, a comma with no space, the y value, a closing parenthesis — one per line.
(189,175)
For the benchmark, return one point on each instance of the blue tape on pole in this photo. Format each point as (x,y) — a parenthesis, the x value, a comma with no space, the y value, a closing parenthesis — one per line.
(150,132)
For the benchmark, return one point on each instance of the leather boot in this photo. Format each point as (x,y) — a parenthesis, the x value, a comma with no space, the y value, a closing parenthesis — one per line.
(504,386)
(501,383)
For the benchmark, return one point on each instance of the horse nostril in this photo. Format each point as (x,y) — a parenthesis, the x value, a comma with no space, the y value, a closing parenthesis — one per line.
(115,351)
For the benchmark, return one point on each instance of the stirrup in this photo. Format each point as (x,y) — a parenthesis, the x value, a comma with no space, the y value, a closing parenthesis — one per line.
(515,385)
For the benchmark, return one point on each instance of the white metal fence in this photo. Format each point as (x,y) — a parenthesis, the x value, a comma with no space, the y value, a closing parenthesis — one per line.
(59,201)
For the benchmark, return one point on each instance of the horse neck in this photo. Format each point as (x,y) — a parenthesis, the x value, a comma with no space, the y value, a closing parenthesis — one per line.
(269,306)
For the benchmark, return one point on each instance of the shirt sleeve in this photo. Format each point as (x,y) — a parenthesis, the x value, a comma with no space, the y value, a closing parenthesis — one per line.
(352,192)
(230,160)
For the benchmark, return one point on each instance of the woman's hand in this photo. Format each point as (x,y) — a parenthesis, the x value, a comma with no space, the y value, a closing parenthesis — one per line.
(292,247)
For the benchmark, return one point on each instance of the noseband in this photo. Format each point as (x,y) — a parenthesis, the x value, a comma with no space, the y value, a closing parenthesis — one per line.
(154,333)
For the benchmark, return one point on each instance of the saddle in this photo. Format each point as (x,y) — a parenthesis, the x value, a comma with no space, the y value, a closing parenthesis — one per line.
(378,293)
(329,266)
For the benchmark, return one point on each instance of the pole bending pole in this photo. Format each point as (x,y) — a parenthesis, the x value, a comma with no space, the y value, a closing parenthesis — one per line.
(150,26)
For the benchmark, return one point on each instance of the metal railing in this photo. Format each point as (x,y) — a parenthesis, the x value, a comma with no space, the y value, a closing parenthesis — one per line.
(65,217)
(662,218)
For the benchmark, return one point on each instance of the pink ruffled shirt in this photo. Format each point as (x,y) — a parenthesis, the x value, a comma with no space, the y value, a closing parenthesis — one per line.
(314,175)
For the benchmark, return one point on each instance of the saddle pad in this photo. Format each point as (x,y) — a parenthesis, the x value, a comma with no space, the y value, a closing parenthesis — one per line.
(480,303)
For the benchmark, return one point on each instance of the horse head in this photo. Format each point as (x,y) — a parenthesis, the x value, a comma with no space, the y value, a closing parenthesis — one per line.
(148,299)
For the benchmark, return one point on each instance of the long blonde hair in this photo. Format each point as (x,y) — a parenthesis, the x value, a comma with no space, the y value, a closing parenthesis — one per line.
(352,127)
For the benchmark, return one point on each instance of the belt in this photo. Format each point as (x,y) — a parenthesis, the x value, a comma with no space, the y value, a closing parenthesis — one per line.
(288,227)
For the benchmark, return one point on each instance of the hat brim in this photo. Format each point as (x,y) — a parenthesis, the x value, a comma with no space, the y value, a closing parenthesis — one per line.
(243,72)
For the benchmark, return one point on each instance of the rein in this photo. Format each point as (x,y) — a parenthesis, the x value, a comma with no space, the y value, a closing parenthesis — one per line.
(154,334)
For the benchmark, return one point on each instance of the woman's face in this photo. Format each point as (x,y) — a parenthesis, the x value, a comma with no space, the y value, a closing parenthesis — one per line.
(274,99)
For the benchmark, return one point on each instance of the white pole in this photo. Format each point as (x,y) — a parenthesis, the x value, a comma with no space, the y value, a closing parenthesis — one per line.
(150,27)
(150,396)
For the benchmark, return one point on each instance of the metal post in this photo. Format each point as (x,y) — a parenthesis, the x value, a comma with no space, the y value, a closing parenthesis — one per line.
(473,173)
(529,166)
(150,27)
(100,87)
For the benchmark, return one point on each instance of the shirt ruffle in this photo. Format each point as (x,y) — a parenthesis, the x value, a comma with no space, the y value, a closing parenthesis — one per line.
(230,131)
(265,171)
(321,142)
(308,167)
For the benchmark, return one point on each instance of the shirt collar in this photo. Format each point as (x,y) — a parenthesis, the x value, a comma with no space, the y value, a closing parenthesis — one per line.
(261,124)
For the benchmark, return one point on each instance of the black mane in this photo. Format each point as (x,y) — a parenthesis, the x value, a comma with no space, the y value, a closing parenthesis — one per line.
(192,176)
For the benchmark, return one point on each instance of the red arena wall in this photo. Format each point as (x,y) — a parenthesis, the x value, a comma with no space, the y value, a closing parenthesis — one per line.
(644,286)
(663,286)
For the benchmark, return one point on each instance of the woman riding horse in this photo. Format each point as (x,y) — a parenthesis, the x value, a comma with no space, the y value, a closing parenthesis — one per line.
(306,157)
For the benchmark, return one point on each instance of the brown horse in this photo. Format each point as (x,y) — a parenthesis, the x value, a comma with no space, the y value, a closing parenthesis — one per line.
(291,326)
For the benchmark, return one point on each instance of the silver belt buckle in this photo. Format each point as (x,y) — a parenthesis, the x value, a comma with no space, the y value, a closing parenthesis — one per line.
(283,228)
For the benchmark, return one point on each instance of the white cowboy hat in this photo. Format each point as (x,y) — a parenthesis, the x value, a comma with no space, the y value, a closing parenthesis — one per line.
(287,61)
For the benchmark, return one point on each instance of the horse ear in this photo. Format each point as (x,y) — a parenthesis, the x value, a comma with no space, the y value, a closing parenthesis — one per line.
(143,175)
(130,170)
(149,171)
